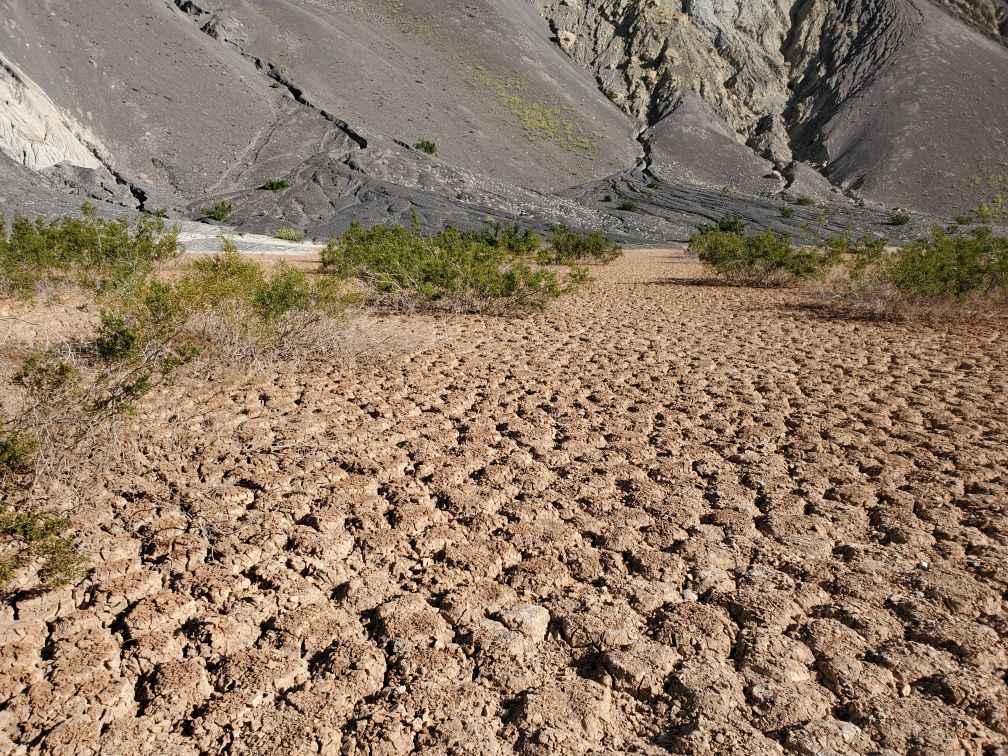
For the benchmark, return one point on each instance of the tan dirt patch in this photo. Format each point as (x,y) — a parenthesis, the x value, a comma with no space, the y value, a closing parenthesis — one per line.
(659,516)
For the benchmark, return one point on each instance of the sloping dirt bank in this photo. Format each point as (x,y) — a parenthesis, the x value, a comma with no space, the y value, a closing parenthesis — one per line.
(661,516)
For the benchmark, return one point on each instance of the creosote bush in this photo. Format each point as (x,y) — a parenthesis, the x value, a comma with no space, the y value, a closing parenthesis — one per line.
(899,218)
(62,402)
(90,252)
(945,270)
(765,259)
(567,246)
(219,212)
(511,237)
(275,185)
(290,234)
(226,304)
(629,205)
(42,541)
(729,224)
(449,270)
(804,201)
(426,146)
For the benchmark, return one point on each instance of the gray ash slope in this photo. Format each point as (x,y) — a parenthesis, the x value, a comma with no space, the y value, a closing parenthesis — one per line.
(545,111)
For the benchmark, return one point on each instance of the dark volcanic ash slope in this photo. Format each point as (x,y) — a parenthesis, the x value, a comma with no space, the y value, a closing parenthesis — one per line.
(541,111)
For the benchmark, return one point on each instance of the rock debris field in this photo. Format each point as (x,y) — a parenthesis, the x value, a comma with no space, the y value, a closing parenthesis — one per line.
(661,516)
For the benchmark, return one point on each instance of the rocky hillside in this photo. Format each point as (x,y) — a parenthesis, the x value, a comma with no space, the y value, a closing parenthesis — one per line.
(537,110)
(898,98)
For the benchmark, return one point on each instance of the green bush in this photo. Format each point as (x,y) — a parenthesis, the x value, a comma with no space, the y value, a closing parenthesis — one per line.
(804,201)
(766,259)
(786,212)
(511,237)
(89,251)
(275,185)
(290,234)
(426,146)
(450,269)
(17,453)
(729,224)
(630,206)
(45,541)
(899,218)
(944,268)
(567,246)
(219,212)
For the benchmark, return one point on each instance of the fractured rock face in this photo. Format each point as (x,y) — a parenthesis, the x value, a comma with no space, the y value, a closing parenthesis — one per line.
(862,91)
(33,131)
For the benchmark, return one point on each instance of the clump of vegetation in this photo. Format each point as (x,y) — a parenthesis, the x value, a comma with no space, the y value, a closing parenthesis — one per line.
(225,304)
(943,270)
(426,146)
(275,185)
(219,212)
(540,120)
(766,259)
(511,237)
(90,252)
(42,541)
(62,402)
(629,205)
(290,234)
(567,246)
(452,269)
(899,218)
(786,212)
(729,224)
(804,201)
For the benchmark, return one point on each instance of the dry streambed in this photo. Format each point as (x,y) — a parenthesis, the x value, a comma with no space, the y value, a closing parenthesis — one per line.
(659,516)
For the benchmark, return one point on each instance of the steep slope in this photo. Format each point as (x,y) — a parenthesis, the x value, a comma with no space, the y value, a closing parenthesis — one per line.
(897,98)
(182,107)
(185,103)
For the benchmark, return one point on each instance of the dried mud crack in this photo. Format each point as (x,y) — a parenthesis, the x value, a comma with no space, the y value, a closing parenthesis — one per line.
(660,517)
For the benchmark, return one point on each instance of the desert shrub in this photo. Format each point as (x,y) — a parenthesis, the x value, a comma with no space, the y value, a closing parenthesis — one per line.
(511,237)
(426,146)
(786,212)
(766,259)
(226,305)
(567,246)
(944,270)
(729,224)
(451,269)
(963,220)
(62,403)
(88,251)
(44,541)
(996,208)
(219,212)
(17,453)
(275,185)
(899,218)
(629,205)
(804,201)
(290,234)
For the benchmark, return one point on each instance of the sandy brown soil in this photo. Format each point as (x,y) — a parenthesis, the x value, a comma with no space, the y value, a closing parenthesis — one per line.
(661,516)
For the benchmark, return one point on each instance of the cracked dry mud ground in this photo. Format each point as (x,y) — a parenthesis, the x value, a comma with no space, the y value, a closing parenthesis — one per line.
(661,516)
